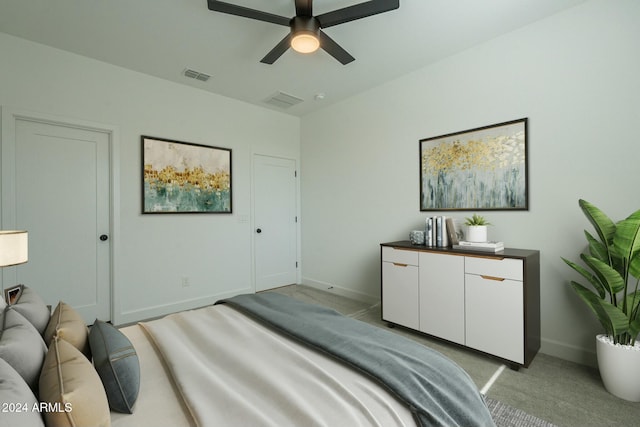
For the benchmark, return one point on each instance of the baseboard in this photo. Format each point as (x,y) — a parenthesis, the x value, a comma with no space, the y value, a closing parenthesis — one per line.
(569,352)
(338,290)
(154,312)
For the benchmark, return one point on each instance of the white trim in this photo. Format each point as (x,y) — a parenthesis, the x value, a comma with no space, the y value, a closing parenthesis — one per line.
(570,352)
(161,310)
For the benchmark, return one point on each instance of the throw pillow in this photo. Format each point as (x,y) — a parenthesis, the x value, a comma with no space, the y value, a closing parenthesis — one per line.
(20,406)
(117,364)
(71,386)
(21,345)
(33,308)
(67,324)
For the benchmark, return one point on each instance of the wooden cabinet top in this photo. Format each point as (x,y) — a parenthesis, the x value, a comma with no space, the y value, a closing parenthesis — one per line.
(507,253)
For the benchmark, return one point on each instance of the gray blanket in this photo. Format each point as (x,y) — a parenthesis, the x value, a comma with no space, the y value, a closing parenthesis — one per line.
(436,390)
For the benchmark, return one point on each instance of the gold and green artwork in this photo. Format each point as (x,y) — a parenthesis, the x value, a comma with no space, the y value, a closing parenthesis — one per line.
(477,169)
(180,177)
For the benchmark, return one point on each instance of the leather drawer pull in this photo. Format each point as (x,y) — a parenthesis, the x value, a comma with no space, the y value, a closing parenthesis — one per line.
(400,265)
(497,279)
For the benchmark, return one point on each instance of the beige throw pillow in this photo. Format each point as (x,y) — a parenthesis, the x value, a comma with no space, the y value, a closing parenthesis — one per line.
(68,325)
(71,387)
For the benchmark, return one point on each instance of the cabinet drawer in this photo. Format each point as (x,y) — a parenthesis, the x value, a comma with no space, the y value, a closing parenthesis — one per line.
(506,268)
(399,256)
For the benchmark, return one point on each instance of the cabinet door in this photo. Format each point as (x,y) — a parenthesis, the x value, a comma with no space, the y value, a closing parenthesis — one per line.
(400,294)
(442,296)
(495,316)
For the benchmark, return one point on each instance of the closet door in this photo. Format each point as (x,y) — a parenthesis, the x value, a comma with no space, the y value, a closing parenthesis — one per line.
(60,193)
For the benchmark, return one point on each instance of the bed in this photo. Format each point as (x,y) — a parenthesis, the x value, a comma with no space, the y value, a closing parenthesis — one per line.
(270,360)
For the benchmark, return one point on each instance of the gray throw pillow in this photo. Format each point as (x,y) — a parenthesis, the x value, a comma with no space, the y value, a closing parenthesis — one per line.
(117,364)
(21,346)
(20,405)
(33,308)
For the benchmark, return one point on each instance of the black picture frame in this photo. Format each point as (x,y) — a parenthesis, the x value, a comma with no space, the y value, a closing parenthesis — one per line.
(484,168)
(183,177)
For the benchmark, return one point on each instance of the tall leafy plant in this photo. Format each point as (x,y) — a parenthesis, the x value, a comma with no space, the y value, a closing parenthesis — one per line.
(613,271)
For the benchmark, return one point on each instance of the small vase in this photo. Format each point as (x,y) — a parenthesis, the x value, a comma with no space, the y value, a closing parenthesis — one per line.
(619,368)
(476,233)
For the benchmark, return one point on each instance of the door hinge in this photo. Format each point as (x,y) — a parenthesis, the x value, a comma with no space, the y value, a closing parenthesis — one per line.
(296,218)
(296,264)
(295,174)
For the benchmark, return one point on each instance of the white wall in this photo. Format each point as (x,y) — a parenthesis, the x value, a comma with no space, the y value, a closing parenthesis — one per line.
(153,252)
(574,75)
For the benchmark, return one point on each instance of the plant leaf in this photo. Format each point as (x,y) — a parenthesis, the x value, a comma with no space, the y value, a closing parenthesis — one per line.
(634,266)
(476,220)
(607,275)
(634,330)
(589,276)
(604,226)
(627,242)
(596,248)
(633,300)
(614,321)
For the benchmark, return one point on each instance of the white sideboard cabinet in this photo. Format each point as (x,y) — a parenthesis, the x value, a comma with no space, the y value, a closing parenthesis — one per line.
(489,302)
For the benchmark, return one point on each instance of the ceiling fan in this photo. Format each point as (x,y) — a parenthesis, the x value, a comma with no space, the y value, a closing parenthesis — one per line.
(306,33)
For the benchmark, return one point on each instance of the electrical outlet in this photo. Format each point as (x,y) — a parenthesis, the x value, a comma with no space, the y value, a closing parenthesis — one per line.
(185,282)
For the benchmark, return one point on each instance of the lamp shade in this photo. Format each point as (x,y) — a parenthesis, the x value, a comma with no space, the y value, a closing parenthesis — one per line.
(305,43)
(14,248)
(305,34)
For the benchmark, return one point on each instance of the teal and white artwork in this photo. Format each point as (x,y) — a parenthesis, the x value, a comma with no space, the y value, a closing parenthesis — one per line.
(477,169)
(180,177)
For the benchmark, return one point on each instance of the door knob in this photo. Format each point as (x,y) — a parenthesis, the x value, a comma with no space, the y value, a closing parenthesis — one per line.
(259,230)
(104,237)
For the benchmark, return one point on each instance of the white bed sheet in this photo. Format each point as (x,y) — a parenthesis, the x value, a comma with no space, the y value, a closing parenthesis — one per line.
(233,371)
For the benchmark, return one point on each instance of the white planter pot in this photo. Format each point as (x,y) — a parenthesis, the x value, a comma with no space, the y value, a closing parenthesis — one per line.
(476,233)
(619,368)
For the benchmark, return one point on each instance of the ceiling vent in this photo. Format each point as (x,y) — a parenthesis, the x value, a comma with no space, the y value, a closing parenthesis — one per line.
(193,74)
(283,100)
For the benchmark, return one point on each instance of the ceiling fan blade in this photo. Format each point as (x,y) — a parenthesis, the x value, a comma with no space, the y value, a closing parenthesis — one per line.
(357,11)
(304,8)
(334,49)
(245,12)
(277,51)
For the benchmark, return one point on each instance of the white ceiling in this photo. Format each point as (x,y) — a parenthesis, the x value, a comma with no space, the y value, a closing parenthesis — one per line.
(162,38)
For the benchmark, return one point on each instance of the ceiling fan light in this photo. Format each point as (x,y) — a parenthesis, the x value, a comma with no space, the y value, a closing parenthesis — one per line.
(305,42)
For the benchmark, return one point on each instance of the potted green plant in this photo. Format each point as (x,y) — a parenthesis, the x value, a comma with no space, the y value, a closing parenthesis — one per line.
(613,271)
(476,228)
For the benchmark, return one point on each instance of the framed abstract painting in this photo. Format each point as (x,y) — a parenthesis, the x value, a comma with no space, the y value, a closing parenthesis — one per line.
(477,169)
(181,177)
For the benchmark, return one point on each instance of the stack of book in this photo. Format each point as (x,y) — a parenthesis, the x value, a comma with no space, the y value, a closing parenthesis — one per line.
(480,246)
(440,232)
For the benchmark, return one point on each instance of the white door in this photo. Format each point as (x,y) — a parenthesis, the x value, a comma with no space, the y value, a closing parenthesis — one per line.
(275,222)
(62,197)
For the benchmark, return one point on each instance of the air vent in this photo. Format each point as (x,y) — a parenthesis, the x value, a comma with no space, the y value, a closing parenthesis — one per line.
(193,74)
(283,100)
